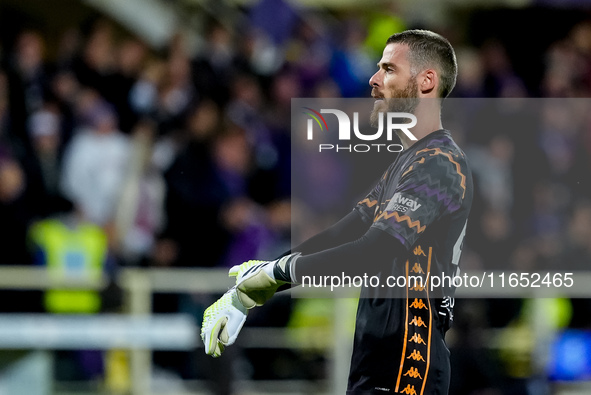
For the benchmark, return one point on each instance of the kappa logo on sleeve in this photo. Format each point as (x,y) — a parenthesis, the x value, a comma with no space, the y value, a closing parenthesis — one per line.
(409,390)
(402,204)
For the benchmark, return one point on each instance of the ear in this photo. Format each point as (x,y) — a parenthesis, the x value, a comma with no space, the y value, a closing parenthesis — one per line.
(428,81)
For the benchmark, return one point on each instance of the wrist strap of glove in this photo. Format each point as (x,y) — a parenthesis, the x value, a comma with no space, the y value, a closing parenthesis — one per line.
(283,268)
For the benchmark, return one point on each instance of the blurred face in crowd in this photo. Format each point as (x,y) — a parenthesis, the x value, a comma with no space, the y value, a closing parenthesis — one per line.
(105,123)
(65,86)
(12,181)
(47,144)
(44,128)
(30,52)
(131,56)
(394,80)
(204,120)
(232,151)
(98,52)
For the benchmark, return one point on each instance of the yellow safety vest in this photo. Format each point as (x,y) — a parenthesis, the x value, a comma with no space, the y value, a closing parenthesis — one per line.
(77,253)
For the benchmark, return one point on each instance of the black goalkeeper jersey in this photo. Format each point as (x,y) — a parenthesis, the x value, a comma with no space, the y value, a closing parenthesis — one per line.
(422,200)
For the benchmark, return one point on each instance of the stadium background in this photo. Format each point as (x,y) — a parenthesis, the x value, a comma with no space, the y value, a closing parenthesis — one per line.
(166,125)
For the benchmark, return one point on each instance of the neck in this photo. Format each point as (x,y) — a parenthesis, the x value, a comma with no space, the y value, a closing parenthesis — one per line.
(428,113)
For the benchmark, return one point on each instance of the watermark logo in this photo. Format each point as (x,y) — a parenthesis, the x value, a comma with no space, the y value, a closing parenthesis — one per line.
(346,129)
(317,117)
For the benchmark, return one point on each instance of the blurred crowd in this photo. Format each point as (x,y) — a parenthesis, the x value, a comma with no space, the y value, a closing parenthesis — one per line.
(177,158)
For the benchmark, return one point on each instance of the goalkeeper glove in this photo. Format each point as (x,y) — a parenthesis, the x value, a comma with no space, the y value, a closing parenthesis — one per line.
(257,281)
(222,321)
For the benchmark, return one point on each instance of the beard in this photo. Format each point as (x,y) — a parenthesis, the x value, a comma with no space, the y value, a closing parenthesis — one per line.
(403,100)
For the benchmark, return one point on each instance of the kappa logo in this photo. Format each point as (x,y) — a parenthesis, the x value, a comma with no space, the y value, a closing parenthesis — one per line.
(409,390)
(417,268)
(413,373)
(417,339)
(418,304)
(419,251)
(418,321)
(416,356)
(402,204)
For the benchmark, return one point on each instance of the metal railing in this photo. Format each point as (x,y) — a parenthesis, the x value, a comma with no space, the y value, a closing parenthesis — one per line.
(138,286)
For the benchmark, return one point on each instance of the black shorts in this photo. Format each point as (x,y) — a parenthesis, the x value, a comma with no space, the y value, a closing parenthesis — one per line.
(417,373)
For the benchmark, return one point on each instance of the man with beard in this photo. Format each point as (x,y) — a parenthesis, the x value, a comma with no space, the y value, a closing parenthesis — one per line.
(411,224)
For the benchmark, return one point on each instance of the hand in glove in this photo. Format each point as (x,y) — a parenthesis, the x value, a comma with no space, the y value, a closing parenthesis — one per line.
(257,281)
(222,322)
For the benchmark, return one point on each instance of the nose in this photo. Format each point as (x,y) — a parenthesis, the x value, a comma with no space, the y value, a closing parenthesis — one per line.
(374,80)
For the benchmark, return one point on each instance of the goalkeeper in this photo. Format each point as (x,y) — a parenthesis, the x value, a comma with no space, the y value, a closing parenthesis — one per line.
(412,223)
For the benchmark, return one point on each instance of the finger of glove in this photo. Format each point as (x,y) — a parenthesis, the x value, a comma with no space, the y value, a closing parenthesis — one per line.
(234,270)
(232,328)
(245,300)
(256,290)
(211,338)
(219,349)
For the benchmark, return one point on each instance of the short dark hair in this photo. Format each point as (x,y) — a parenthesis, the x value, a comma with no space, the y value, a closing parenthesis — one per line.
(429,49)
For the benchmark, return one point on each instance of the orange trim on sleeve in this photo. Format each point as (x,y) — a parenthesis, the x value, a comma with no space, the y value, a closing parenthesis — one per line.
(437,151)
(411,224)
(368,203)
(422,160)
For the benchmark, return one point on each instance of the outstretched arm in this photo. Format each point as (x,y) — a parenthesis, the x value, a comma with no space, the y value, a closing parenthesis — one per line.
(349,228)
(258,281)
(366,255)
(223,320)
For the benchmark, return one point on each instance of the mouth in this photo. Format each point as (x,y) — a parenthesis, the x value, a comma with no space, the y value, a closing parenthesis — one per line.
(377,96)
